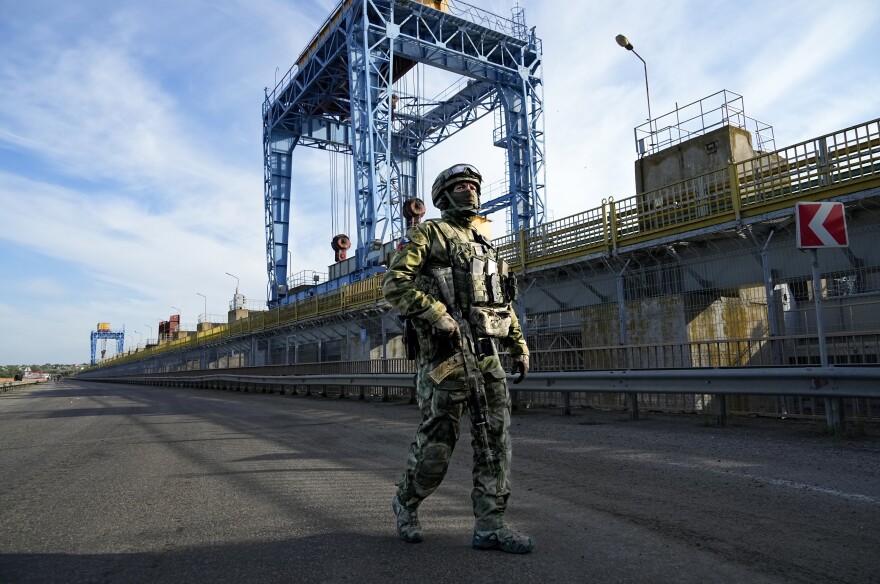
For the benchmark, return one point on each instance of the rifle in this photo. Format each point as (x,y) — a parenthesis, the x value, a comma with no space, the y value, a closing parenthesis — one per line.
(478,406)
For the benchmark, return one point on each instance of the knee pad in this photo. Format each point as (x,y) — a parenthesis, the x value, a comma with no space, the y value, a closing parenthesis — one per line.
(433,463)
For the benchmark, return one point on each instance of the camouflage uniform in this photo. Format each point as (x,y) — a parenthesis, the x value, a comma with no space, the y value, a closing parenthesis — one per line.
(411,285)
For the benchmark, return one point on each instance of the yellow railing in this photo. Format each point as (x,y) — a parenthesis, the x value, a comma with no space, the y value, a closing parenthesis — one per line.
(828,166)
(832,165)
(350,296)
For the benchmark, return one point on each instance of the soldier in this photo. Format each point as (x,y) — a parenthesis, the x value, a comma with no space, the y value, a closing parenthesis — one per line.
(456,293)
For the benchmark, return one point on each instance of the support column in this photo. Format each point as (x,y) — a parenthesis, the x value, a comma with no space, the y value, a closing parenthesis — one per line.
(632,399)
(772,316)
(384,356)
(278,153)
(833,405)
(720,401)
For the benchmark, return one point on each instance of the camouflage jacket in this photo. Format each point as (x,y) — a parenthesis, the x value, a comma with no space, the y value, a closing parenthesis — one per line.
(411,287)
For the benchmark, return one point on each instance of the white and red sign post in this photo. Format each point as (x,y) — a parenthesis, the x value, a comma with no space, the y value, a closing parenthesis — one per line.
(822,225)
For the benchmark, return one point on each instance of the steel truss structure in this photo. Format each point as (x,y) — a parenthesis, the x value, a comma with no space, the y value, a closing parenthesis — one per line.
(341,96)
(118,336)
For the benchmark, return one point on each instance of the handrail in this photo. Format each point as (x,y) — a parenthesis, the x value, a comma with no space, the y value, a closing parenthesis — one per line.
(837,163)
(352,296)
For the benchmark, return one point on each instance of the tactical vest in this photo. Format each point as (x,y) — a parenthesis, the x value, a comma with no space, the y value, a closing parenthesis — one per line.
(477,282)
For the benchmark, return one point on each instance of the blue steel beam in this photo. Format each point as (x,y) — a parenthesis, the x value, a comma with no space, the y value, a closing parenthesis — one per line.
(277,150)
(423,125)
(340,95)
(118,336)
(376,174)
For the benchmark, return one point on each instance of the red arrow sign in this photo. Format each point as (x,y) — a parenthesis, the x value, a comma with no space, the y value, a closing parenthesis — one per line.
(821,225)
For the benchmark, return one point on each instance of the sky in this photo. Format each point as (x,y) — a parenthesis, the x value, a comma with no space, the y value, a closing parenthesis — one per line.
(131,165)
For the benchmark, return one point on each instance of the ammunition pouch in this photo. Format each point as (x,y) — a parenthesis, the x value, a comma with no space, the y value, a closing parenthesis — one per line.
(490,322)
(510,289)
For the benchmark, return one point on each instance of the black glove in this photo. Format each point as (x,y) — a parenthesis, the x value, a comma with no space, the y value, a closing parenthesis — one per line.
(521,366)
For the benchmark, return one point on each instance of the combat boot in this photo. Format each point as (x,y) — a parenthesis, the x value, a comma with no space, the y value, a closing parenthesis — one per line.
(504,539)
(408,527)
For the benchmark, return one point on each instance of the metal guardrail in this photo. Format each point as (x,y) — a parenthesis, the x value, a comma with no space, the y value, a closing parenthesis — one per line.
(859,382)
(710,385)
(11,385)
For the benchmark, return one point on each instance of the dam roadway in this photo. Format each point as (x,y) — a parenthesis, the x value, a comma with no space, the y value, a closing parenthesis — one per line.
(126,483)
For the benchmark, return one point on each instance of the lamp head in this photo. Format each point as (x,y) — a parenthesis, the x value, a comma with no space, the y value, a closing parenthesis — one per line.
(623,42)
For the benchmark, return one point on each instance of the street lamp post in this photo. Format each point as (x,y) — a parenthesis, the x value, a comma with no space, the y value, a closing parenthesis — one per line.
(624,42)
(206,305)
(236,281)
(151,332)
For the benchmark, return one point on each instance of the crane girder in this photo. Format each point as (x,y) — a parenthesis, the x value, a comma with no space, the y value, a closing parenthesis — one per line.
(341,95)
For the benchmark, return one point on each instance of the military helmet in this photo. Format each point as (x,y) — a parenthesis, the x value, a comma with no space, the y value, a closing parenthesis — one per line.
(452,175)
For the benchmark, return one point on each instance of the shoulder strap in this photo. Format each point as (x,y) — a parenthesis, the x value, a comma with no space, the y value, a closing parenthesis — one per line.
(448,231)
(482,239)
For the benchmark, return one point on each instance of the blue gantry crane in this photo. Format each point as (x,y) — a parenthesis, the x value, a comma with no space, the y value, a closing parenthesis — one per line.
(342,95)
(104,333)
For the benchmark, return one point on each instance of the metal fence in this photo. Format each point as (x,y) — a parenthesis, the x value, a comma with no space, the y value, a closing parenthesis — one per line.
(824,167)
(740,298)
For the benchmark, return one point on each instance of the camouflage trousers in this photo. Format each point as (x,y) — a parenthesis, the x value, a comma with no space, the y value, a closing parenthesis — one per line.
(442,406)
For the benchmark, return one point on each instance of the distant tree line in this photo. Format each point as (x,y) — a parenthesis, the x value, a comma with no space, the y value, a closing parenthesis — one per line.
(54,369)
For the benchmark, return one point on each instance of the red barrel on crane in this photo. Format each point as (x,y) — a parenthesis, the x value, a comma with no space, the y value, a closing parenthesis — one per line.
(413,211)
(340,244)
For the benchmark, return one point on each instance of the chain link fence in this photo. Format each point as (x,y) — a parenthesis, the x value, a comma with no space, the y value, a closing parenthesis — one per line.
(744,298)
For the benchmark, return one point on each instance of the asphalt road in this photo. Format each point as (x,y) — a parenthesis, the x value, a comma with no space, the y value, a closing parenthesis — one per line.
(119,483)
